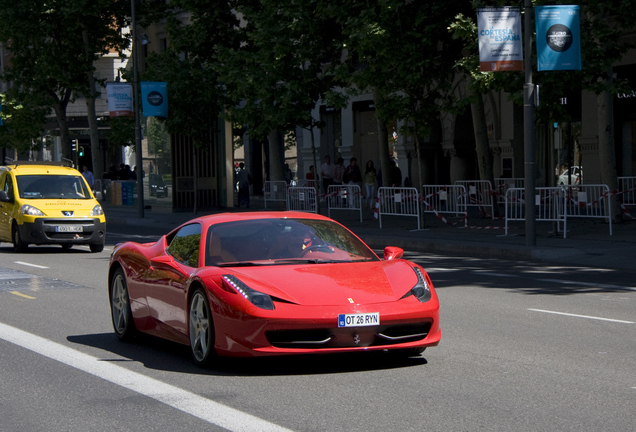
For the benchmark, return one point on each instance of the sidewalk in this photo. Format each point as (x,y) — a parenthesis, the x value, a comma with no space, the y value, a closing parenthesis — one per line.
(588,241)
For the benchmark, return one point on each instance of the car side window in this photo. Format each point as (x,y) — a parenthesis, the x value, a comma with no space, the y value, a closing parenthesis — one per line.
(185,245)
(7,186)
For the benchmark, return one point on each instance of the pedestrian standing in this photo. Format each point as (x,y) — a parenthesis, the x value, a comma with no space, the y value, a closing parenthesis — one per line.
(88,176)
(370,183)
(352,176)
(326,171)
(243,181)
(338,171)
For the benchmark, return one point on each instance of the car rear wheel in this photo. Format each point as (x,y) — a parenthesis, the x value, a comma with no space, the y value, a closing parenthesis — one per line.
(120,306)
(201,329)
(18,245)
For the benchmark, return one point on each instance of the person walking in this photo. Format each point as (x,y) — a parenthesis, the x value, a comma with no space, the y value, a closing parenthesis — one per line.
(88,176)
(370,183)
(243,180)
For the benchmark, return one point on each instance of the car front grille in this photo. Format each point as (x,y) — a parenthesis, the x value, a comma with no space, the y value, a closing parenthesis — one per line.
(49,228)
(348,337)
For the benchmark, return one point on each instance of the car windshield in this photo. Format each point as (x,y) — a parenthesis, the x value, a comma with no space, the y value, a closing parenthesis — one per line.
(283,241)
(52,186)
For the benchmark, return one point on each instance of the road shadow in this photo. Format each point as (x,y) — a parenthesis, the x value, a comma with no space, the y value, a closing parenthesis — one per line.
(522,277)
(159,354)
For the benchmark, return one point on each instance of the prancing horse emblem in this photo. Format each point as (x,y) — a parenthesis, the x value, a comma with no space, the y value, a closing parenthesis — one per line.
(356,339)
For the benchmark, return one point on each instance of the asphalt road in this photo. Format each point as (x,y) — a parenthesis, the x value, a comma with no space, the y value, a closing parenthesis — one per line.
(525,347)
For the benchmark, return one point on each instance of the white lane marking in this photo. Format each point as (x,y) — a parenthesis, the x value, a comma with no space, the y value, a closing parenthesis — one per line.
(503,275)
(205,409)
(30,265)
(590,284)
(582,316)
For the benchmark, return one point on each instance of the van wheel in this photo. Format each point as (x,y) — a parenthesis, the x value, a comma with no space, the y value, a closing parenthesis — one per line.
(18,245)
(96,247)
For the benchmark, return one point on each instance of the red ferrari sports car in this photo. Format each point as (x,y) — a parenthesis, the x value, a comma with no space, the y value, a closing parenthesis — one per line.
(271,283)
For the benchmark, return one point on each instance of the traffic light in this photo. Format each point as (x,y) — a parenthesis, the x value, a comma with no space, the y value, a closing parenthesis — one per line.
(81,151)
(74,145)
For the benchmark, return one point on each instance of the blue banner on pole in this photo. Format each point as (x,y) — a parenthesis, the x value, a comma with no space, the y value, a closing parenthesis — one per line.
(558,37)
(154,97)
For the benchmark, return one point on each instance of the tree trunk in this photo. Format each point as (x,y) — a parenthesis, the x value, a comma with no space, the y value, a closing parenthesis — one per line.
(383,144)
(276,156)
(98,169)
(60,116)
(606,150)
(484,159)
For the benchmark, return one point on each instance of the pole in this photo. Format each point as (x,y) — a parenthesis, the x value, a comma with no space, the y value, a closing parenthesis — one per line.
(529,131)
(138,155)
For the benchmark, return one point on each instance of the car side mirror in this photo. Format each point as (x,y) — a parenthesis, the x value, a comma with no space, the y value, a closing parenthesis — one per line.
(4,197)
(393,252)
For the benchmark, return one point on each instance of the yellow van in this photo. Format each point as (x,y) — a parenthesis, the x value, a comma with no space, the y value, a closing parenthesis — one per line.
(48,203)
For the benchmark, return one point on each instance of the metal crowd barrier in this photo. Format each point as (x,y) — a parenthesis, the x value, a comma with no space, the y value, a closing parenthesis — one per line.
(560,203)
(98,190)
(549,206)
(627,187)
(399,201)
(503,184)
(588,201)
(479,194)
(440,199)
(344,197)
(275,191)
(302,199)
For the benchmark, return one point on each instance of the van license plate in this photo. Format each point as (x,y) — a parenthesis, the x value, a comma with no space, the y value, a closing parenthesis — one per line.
(69,228)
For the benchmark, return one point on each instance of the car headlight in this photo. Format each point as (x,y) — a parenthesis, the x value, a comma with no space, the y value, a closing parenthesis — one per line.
(31,211)
(97,211)
(421,290)
(257,298)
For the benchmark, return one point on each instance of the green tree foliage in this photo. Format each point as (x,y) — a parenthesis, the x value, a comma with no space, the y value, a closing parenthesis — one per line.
(402,52)
(282,69)
(49,65)
(190,66)
(21,124)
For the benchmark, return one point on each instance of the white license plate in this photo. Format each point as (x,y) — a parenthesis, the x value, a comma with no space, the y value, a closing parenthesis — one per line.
(359,320)
(69,228)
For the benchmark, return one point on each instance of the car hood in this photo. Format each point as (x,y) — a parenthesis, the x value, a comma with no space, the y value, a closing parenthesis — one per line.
(332,284)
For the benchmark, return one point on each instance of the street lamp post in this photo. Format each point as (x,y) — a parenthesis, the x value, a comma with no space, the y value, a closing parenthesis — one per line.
(529,131)
(138,154)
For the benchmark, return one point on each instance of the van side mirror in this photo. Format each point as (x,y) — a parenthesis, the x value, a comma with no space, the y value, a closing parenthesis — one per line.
(4,197)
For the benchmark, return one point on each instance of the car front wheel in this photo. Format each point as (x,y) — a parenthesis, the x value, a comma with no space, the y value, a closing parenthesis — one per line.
(201,329)
(120,307)
(18,245)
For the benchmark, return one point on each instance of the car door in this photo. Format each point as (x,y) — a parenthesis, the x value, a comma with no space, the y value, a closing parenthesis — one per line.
(167,279)
(6,207)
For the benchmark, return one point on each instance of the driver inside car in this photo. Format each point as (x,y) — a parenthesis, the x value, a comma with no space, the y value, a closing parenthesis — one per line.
(289,243)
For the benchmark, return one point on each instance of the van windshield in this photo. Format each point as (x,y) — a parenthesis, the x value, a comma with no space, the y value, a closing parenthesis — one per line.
(52,186)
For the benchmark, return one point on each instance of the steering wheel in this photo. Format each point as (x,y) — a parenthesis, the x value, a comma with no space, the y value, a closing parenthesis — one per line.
(317,248)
